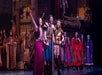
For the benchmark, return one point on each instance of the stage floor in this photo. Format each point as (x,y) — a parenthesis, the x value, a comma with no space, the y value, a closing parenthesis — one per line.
(65,71)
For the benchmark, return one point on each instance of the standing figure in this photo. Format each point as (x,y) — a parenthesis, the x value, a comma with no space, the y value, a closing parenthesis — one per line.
(48,51)
(38,68)
(89,51)
(11,46)
(58,39)
(68,55)
(50,31)
(3,55)
(57,43)
(26,45)
(76,49)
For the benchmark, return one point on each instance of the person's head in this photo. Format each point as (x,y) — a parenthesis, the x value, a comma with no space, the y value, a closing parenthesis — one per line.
(0,31)
(82,36)
(58,23)
(68,39)
(14,29)
(88,36)
(40,21)
(76,34)
(65,34)
(11,33)
(51,19)
(3,30)
(13,22)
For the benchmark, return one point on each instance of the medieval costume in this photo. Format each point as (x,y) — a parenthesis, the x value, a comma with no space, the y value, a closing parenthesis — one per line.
(68,55)
(89,51)
(58,39)
(11,52)
(38,68)
(3,55)
(26,45)
(76,49)
(48,51)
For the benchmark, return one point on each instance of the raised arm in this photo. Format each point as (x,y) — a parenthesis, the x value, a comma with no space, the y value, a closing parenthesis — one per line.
(34,23)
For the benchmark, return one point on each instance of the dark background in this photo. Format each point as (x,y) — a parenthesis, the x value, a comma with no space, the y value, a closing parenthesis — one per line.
(95,29)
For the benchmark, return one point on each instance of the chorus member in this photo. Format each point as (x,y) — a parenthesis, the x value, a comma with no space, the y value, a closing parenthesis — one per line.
(68,55)
(76,49)
(89,51)
(11,47)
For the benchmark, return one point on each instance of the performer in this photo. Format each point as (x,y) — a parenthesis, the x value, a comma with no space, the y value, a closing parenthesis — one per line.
(58,39)
(76,49)
(89,51)
(51,21)
(57,43)
(68,55)
(38,68)
(48,51)
(26,45)
(11,46)
(3,55)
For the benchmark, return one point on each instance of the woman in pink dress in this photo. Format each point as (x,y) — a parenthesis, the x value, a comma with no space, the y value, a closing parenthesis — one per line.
(38,68)
(67,52)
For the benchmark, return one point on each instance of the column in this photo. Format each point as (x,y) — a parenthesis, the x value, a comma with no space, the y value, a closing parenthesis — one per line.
(34,7)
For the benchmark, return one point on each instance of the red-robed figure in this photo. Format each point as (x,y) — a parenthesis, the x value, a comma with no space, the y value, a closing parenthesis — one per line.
(76,50)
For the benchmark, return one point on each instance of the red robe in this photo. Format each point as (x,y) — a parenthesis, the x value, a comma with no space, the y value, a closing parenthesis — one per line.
(76,50)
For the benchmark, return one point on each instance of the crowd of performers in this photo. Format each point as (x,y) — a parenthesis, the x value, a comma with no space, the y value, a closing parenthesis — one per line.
(52,43)
(14,49)
(52,46)
(7,50)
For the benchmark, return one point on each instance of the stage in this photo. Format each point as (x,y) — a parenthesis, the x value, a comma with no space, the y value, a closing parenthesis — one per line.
(65,71)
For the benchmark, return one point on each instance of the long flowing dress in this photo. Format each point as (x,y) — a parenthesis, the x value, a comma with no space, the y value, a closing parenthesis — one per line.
(76,49)
(11,48)
(38,67)
(89,52)
(67,54)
